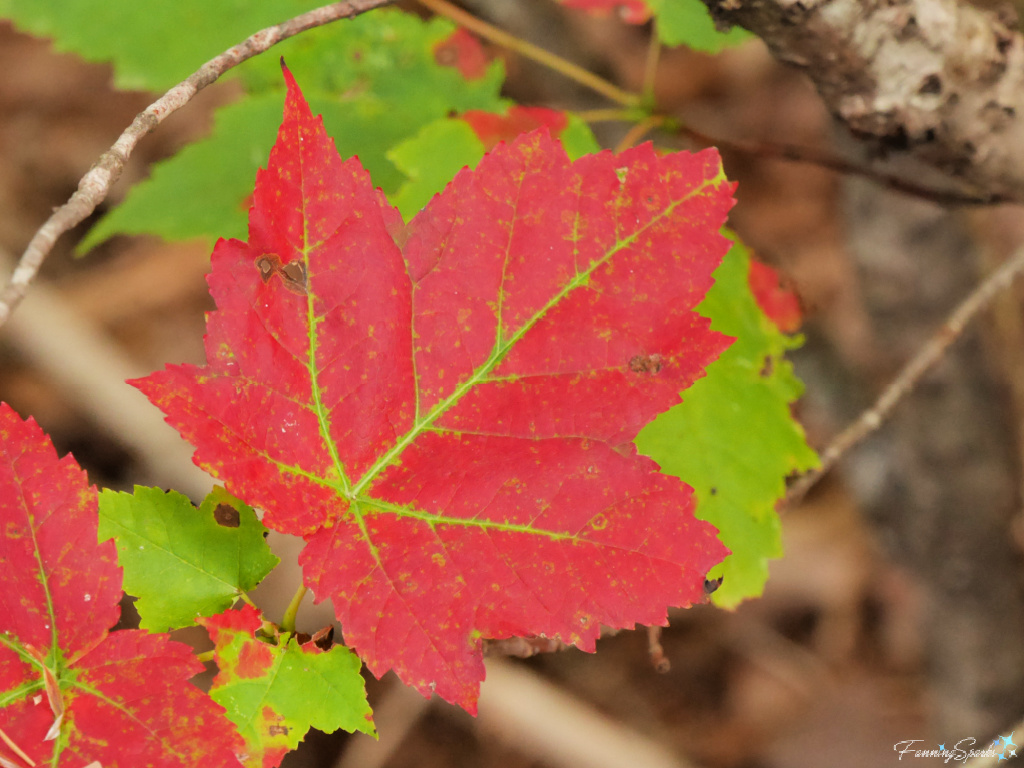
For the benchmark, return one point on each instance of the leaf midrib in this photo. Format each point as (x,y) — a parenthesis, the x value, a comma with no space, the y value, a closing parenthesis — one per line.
(353,492)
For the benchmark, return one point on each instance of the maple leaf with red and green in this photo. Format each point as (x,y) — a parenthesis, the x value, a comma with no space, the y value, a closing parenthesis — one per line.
(72,694)
(276,691)
(444,409)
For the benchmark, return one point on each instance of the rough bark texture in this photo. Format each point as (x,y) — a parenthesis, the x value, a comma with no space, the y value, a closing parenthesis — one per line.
(934,87)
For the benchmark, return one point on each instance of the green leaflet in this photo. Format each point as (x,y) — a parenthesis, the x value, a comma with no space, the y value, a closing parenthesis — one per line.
(180,561)
(432,157)
(733,438)
(373,78)
(276,693)
(201,191)
(686,22)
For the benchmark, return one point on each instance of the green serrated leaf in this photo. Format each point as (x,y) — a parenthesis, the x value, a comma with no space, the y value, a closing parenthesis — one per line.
(182,562)
(373,78)
(151,45)
(430,159)
(578,139)
(733,437)
(686,22)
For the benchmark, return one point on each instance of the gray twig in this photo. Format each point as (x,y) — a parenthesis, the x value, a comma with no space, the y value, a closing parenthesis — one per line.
(912,372)
(96,184)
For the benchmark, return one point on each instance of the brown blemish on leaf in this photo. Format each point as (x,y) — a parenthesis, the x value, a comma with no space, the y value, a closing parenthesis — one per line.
(292,274)
(266,265)
(227,516)
(278,730)
(645,364)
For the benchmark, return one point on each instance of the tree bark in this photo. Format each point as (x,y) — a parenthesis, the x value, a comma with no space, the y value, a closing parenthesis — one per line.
(934,89)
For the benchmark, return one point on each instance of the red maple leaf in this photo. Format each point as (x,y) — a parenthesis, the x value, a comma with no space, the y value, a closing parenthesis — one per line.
(118,699)
(445,410)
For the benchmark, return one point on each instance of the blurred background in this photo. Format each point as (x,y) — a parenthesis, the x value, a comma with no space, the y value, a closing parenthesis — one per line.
(897,612)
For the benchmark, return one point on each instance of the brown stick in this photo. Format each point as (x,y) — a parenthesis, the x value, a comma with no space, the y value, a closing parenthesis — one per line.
(824,159)
(96,184)
(912,372)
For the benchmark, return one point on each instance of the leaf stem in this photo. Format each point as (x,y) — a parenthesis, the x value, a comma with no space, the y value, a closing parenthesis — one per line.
(206,656)
(651,65)
(611,114)
(536,53)
(824,159)
(911,374)
(244,597)
(288,621)
(638,131)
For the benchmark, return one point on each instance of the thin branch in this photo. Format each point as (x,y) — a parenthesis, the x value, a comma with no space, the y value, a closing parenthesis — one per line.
(912,372)
(530,51)
(609,115)
(799,154)
(637,132)
(659,660)
(96,184)
(651,64)
(812,156)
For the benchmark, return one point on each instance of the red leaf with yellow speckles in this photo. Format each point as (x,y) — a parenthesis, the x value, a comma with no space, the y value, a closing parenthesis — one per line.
(445,409)
(119,699)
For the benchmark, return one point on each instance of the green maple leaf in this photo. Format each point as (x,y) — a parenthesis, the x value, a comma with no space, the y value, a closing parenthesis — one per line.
(376,79)
(276,693)
(210,555)
(733,438)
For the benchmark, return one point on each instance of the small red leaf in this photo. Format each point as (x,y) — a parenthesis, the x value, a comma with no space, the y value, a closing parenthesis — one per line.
(492,128)
(463,52)
(446,413)
(781,305)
